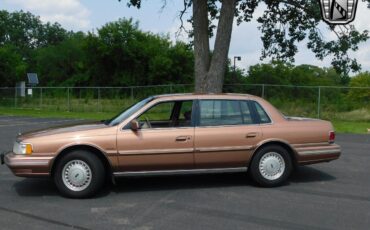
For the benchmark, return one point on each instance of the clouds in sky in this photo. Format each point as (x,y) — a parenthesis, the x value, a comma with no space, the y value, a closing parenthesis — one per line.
(69,13)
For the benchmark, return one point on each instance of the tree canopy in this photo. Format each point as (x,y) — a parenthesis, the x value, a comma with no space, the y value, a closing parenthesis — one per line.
(120,54)
(283,23)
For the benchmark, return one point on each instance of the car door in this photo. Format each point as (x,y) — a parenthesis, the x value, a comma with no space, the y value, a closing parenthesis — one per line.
(164,141)
(225,134)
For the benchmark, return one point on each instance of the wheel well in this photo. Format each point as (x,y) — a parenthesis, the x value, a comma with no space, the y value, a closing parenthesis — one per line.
(282,144)
(88,148)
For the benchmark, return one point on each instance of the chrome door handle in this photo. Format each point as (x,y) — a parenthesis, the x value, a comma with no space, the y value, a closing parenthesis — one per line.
(182,138)
(251,135)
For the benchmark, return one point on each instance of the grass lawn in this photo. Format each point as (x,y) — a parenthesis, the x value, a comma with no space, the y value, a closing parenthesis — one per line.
(339,125)
(55,114)
(351,126)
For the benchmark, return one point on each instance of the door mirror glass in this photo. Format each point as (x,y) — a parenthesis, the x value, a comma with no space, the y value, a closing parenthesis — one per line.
(134,124)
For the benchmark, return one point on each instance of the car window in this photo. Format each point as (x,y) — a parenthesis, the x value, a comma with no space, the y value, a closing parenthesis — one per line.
(159,112)
(166,115)
(246,113)
(264,118)
(220,112)
(127,112)
(185,113)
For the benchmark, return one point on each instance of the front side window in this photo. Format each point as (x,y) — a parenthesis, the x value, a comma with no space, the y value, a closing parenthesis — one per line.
(167,115)
(127,112)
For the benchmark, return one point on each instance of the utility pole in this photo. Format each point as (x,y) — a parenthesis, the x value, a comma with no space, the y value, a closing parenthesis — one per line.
(239,59)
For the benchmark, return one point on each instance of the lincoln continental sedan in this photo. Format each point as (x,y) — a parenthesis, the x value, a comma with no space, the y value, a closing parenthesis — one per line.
(171,134)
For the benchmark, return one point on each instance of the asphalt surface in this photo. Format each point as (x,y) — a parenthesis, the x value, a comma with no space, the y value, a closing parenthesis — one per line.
(333,195)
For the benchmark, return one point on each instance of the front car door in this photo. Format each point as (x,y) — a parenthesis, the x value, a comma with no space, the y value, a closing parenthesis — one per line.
(226,133)
(165,140)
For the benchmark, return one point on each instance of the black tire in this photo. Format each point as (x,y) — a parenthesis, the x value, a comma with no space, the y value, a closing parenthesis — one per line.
(95,170)
(268,179)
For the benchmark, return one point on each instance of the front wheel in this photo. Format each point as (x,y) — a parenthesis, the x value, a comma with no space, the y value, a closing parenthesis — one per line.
(79,174)
(271,166)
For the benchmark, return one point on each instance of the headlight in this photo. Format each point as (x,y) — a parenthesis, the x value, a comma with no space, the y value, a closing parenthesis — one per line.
(22,148)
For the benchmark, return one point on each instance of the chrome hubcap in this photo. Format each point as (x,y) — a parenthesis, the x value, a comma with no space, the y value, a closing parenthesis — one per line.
(272,166)
(76,175)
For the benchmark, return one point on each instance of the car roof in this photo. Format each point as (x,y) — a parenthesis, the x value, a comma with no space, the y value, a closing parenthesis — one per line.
(205,96)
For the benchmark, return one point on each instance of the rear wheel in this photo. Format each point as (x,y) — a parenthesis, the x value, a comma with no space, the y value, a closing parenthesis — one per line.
(79,174)
(271,166)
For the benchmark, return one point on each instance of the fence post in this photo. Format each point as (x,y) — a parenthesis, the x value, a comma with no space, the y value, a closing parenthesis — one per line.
(263,90)
(132,93)
(318,102)
(40,98)
(99,104)
(68,100)
(15,97)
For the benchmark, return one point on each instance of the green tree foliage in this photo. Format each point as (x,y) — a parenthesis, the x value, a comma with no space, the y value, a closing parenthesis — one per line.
(121,54)
(280,73)
(64,63)
(360,95)
(12,66)
(26,31)
(283,23)
(21,34)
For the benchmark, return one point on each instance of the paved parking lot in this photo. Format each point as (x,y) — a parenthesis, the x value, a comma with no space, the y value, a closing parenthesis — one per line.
(332,195)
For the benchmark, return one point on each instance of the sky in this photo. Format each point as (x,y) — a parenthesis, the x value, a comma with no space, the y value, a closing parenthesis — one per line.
(88,15)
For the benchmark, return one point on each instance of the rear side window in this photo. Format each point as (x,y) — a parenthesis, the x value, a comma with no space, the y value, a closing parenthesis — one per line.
(246,112)
(263,117)
(224,112)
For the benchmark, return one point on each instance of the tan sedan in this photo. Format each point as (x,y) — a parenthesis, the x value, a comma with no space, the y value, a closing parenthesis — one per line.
(187,133)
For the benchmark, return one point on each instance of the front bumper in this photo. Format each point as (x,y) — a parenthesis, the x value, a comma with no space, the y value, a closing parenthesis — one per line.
(27,166)
(320,153)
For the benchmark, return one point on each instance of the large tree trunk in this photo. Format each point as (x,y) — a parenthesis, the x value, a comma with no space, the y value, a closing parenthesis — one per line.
(209,74)
(201,43)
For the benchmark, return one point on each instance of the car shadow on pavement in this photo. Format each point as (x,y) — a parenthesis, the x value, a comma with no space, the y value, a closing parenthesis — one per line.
(36,187)
(174,182)
(306,174)
(45,187)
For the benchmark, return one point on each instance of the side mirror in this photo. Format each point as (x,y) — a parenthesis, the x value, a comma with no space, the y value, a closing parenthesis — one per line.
(134,124)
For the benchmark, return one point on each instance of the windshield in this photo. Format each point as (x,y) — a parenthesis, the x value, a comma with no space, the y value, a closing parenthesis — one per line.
(127,112)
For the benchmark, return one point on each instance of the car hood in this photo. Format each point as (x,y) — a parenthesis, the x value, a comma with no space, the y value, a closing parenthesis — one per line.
(64,129)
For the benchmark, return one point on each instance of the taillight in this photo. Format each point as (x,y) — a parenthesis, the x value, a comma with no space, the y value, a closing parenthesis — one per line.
(331,137)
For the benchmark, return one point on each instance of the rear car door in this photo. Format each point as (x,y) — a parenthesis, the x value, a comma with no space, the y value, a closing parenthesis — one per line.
(226,133)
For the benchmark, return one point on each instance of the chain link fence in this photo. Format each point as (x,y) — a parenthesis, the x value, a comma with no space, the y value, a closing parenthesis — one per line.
(312,101)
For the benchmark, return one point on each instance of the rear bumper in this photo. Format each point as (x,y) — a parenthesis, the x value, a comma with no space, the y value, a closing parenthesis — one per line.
(315,154)
(27,166)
